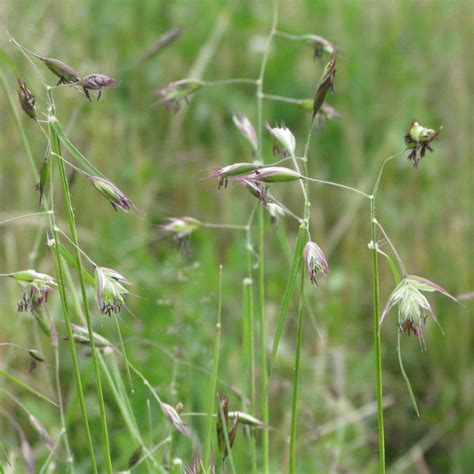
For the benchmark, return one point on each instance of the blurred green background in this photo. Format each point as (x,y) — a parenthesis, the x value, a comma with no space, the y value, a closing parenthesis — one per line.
(398,60)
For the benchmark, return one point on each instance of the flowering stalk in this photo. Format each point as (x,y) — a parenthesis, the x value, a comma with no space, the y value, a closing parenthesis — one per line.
(215,372)
(261,253)
(56,148)
(377,345)
(296,379)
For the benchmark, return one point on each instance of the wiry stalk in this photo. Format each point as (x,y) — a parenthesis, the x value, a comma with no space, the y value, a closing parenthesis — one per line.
(261,252)
(214,376)
(377,345)
(59,271)
(296,381)
(56,148)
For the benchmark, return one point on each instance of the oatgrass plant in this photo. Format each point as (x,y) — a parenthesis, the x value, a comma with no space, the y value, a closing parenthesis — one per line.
(245,397)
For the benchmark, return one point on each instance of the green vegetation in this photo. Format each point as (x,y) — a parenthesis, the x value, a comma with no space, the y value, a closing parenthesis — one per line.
(183,306)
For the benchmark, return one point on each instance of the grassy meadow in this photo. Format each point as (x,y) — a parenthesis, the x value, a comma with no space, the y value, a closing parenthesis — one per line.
(164,361)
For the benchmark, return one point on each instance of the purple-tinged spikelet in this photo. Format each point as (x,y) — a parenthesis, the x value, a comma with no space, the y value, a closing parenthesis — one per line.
(315,262)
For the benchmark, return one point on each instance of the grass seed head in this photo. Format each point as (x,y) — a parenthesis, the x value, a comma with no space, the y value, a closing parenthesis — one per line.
(27,99)
(285,143)
(173,417)
(247,130)
(80,335)
(320,45)
(418,140)
(315,261)
(231,171)
(66,74)
(117,198)
(36,289)
(135,457)
(110,290)
(96,82)
(413,306)
(177,92)
(326,83)
(273,174)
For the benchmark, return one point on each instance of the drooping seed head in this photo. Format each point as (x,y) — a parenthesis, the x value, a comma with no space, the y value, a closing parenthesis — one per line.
(97,81)
(112,193)
(326,83)
(36,355)
(27,99)
(248,420)
(80,335)
(258,190)
(135,457)
(176,92)
(66,74)
(110,290)
(418,140)
(36,289)
(174,418)
(285,143)
(180,227)
(247,130)
(180,230)
(230,171)
(413,306)
(320,45)
(315,262)
(273,174)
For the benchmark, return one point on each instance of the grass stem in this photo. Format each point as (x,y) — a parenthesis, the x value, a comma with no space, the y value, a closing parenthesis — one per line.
(377,345)
(56,148)
(296,379)
(214,376)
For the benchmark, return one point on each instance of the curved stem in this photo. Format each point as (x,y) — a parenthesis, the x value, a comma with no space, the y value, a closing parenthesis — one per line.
(378,355)
(394,250)
(379,177)
(337,185)
(26,216)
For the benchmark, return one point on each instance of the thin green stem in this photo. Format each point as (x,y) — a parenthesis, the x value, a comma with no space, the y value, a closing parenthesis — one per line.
(377,345)
(124,354)
(261,252)
(226,82)
(26,216)
(397,278)
(338,185)
(56,148)
(279,98)
(57,377)
(296,380)
(27,387)
(59,271)
(379,176)
(248,376)
(394,250)
(215,372)
(226,436)
(225,226)
(289,290)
